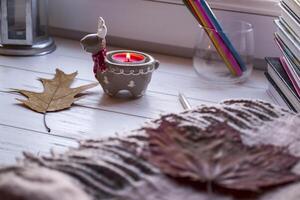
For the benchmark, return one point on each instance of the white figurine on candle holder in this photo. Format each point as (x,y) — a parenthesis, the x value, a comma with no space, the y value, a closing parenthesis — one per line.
(96,45)
(118,70)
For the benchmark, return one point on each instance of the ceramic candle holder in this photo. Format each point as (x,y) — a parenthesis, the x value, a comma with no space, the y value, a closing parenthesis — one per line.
(131,76)
(118,70)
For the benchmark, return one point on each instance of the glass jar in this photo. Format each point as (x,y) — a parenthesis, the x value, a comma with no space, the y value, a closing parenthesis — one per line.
(24,28)
(208,63)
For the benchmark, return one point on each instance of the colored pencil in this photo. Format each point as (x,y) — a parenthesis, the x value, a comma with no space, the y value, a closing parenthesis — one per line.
(219,28)
(210,34)
(228,54)
(198,12)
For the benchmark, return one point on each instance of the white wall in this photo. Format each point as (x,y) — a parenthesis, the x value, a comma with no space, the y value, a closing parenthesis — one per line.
(152,22)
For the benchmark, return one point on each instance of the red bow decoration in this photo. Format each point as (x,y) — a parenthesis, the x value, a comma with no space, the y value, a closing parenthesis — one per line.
(99,61)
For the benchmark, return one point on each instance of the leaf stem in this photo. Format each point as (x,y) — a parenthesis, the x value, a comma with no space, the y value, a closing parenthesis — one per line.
(45,123)
(209,190)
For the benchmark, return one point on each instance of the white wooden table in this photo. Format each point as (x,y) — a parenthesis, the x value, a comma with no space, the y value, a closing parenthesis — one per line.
(97,115)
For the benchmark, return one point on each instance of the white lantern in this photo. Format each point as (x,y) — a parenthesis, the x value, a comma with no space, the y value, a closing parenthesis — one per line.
(24,28)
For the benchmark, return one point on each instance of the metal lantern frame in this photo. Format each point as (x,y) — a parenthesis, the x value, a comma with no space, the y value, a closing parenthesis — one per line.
(33,44)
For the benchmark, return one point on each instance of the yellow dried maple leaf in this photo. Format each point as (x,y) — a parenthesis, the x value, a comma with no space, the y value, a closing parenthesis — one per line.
(57,94)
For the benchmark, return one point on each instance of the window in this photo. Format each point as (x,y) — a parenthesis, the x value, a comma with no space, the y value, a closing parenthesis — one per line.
(160,25)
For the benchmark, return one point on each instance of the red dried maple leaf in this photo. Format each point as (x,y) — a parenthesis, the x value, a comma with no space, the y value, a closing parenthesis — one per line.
(217,156)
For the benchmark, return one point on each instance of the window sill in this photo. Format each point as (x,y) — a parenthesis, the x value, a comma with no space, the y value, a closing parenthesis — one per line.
(257,7)
(260,7)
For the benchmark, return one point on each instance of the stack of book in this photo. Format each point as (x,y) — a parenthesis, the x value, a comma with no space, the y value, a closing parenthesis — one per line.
(284,73)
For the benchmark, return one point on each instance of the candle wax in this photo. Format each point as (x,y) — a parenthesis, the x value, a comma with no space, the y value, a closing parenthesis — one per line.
(128,57)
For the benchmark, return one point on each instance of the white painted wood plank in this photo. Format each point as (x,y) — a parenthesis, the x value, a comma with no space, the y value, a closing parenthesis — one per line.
(169,64)
(98,115)
(69,48)
(162,82)
(70,59)
(150,106)
(192,87)
(14,141)
(77,122)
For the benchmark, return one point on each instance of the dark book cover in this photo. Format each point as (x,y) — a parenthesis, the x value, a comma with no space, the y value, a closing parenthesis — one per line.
(278,68)
(272,82)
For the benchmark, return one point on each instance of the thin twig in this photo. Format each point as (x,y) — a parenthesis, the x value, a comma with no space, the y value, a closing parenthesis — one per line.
(45,123)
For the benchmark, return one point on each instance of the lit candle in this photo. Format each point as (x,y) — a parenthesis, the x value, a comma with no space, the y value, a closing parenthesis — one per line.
(128,57)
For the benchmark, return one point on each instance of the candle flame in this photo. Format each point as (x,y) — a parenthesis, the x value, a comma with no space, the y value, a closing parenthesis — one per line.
(128,56)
